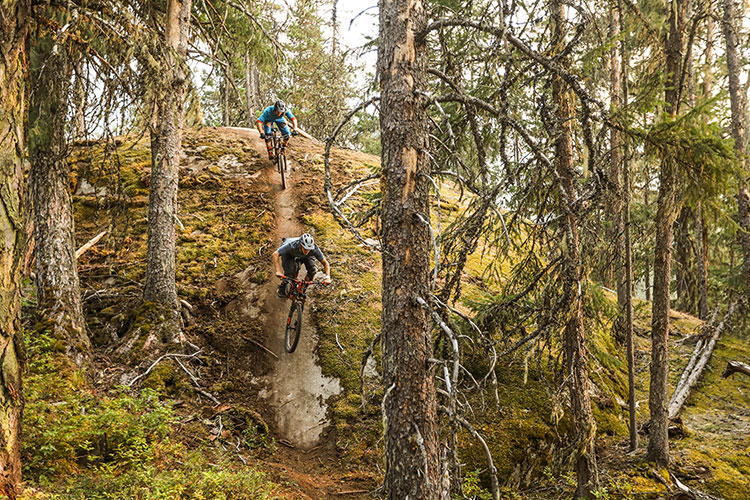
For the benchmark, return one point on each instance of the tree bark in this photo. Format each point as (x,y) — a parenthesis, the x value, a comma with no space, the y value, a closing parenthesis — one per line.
(410,414)
(666,211)
(58,291)
(729,24)
(14,23)
(166,139)
(572,274)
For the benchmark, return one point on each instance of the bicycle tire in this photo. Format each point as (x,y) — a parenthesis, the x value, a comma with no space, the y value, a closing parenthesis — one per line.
(293,327)
(281,165)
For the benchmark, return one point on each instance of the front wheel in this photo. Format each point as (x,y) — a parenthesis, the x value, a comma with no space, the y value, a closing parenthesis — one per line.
(293,326)
(281,158)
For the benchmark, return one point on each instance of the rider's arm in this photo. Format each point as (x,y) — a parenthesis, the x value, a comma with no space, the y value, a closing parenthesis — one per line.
(277,264)
(327,270)
(294,123)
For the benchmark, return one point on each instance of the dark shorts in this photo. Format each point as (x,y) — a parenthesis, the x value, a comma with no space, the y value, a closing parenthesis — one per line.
(292,266)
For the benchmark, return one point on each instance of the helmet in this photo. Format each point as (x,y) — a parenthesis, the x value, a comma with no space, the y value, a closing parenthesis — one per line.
(279,107)
(307,241)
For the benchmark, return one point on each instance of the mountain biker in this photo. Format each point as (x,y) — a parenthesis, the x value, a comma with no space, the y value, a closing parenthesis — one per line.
(296,251)
(275,114)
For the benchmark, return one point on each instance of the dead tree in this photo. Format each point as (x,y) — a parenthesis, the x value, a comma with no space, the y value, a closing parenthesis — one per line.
(704,348)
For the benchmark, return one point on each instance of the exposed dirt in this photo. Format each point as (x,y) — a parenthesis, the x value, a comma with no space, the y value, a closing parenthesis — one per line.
(294,386)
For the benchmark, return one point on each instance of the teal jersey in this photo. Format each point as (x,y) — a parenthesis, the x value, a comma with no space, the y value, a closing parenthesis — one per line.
(269,116)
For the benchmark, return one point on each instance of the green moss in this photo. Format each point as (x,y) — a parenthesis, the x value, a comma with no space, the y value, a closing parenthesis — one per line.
(167,380)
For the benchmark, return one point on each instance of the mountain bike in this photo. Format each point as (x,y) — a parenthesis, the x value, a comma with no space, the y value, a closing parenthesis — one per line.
(297,293)
(279,153)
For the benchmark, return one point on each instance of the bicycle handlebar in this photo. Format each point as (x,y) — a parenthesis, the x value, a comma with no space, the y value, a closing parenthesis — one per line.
(286,278)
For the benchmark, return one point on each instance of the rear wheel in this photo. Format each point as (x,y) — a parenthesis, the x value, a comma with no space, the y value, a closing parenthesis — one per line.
(293,326)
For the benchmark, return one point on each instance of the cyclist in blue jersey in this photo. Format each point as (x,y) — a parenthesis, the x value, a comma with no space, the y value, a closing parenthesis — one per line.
(294,252)
(275,114)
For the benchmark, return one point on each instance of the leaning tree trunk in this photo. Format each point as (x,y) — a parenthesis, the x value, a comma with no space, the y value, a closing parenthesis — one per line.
(730,26)
(572,276)
(666,212)
(14,19)
(166,138)
(411,439)
(58,292)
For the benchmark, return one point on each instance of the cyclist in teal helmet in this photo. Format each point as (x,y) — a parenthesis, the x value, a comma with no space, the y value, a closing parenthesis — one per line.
(278,113)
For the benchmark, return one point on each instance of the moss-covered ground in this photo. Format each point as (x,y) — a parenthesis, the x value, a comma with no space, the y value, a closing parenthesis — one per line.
(527,426)
(89,438)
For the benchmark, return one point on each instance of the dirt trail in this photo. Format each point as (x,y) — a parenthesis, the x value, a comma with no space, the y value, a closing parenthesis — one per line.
(295,388)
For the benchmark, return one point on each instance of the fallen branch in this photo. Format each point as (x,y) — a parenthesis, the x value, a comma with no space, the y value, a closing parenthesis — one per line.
(93,241)
(687,493)
(734,367)
(698,361)
(255,342)
(168,355)
(197,386)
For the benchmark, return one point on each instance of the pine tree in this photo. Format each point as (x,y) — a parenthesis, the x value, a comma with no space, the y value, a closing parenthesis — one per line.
(410,413)
(14,25)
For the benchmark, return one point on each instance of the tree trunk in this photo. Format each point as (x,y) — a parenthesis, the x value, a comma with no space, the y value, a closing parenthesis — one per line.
(686,284)
(166,138)
(225,119)
(615,162)
(572,275)
(627,246)
(647,263)
(411,439)
(666,211)
(79,99)
(249,90)
(58,291)
(701,230)
(729,25)
(14,19)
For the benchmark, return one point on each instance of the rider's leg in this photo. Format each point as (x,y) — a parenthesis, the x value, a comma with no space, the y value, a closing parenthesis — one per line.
(285,132)
(291,269)
(310,266)
(269,143)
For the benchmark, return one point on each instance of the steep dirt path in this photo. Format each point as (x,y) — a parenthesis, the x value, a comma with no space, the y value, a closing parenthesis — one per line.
(296,387)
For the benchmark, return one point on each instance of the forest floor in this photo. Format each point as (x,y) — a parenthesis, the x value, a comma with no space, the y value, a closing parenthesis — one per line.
(311,421)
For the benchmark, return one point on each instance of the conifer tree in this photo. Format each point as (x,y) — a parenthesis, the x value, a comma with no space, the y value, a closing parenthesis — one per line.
(410,412)
(58,291)
(14,25)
